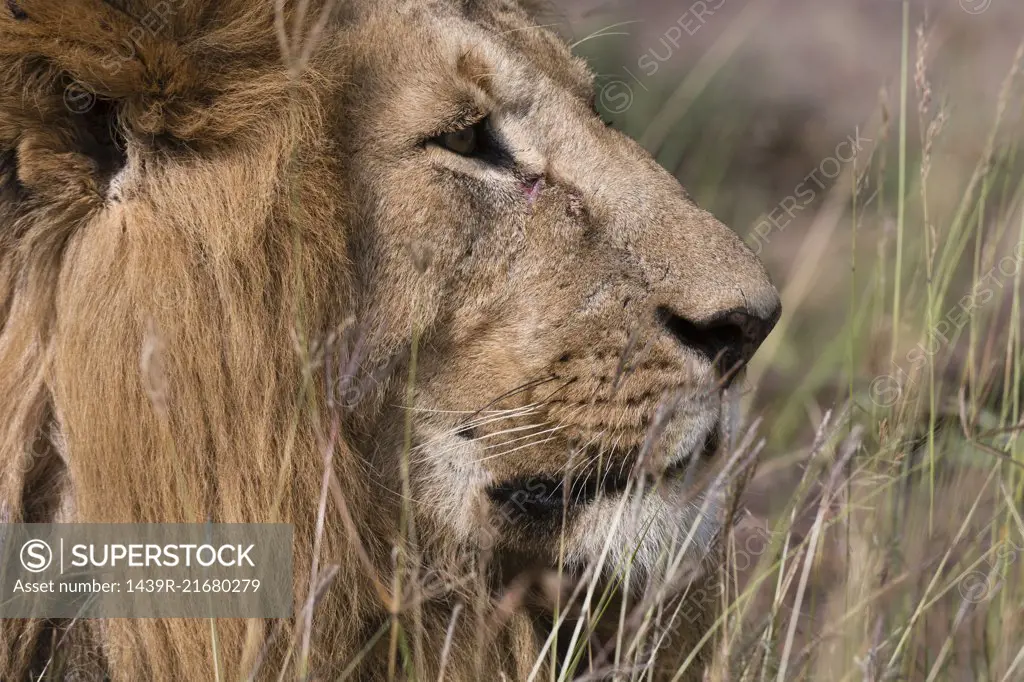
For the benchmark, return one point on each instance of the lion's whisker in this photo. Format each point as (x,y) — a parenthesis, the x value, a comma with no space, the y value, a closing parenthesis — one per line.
(533,383)
(447,451)
(528,445)
(604,32)
(475,423)
(431,410)
(514,429)
(569,465)
(528,436)
(522,387)
(493,446)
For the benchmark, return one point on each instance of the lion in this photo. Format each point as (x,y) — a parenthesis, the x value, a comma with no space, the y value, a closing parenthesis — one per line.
(379,271)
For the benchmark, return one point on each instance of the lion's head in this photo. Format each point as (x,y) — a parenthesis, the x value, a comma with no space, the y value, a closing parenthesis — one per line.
(415,253)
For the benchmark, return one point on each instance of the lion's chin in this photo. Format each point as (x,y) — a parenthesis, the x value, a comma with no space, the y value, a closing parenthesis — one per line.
(660,536)
(649,530)
(641,540)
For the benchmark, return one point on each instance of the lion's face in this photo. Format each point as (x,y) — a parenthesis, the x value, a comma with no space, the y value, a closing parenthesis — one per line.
(578,318)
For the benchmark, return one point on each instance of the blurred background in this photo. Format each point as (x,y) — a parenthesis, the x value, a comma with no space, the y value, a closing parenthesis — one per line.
(868,150)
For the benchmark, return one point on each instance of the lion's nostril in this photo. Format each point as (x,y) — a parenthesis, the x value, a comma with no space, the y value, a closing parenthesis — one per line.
(728,339)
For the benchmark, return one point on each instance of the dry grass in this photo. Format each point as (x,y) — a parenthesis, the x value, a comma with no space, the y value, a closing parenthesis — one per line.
(884,534)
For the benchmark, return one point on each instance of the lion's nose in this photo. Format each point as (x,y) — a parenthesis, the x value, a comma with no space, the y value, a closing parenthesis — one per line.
(729,339)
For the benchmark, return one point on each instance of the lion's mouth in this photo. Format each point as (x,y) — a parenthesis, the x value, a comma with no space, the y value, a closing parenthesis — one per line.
(541,497)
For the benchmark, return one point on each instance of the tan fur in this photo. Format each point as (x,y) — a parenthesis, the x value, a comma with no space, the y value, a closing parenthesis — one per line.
(188,333)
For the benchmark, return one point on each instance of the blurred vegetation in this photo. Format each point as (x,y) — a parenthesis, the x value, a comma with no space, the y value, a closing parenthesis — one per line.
(901,286)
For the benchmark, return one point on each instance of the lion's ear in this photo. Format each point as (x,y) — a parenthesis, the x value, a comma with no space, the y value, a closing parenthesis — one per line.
(77,75)
(189,70)
(103,47)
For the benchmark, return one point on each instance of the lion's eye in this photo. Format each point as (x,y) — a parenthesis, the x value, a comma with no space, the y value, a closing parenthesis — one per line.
(478,142)
(465,141)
